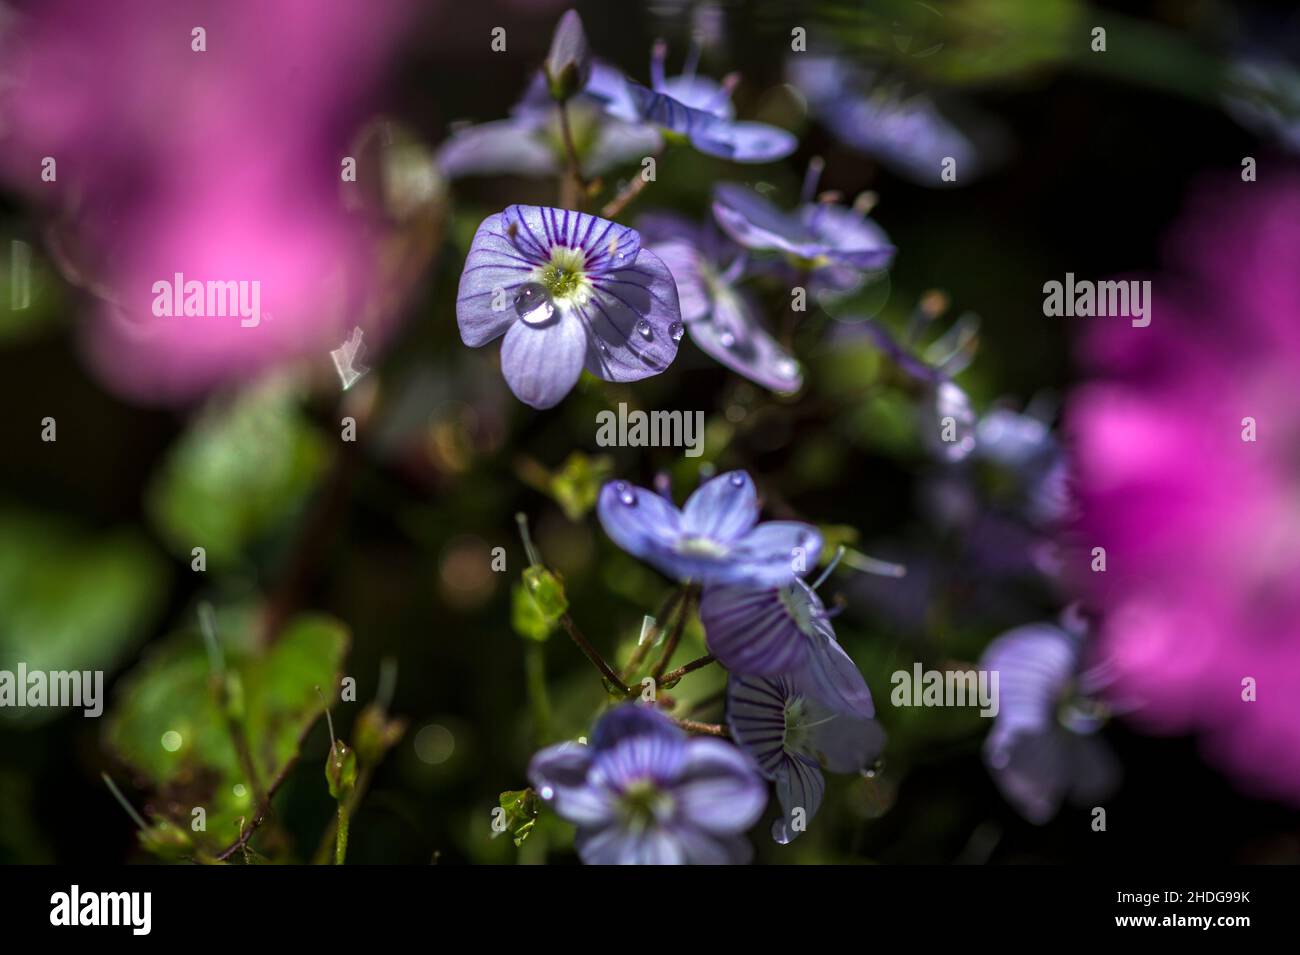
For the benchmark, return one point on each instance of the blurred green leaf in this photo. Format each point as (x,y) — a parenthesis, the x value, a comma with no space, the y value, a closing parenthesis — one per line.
(576,485)
(241,468)
(69,601)
(526,617)
(169,727)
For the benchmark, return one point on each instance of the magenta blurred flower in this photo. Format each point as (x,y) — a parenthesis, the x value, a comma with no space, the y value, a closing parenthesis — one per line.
(1200,525)
(214,155)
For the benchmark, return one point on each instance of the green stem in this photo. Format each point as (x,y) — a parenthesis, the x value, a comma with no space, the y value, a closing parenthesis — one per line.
(341,834)
(535,674)
(572,184)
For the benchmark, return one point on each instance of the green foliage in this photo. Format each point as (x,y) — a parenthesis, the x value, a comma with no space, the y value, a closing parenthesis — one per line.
(521,810)
(576,485)
(236,473)
(69,601)
(172,727)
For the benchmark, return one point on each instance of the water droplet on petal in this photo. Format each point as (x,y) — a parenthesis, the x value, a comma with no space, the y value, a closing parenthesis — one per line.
(627,496)
(533,304)
(787,367)
(676,330)
(643,328)
(728,340)
(737,480)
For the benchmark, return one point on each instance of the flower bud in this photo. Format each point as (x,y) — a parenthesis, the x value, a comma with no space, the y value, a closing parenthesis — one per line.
(568,64)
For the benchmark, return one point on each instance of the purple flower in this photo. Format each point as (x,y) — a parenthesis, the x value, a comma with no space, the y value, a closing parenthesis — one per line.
(1041,749)
(795,726)
(906,133)
(834,244)
(568,291)
(763,631)
(715,538)
(695,108)
(529,141)
(721,317)
(643,793)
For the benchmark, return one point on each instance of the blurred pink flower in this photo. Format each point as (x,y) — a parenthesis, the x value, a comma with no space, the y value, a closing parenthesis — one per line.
(223,165)
(1202,528)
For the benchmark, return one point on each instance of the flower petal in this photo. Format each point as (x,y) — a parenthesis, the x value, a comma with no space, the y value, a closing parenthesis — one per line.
(832,676)
(640,522)
(559,774)
(682,259)
(799,789)
(504,146)
(756,718)
(631,315)
(723,508)
(537,230)
(755,142)
(706,131)
(750,630)
(753,221)
(731,335)
(719,790)
(541,363)
(494,268)
(774,552)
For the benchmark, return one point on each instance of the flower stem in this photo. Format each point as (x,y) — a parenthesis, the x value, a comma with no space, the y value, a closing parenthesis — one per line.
(624,197)
(341,834)
(535,675)
(593,655)
(673,676)
(572,185)
(709,729)
(675,636)
(670,604)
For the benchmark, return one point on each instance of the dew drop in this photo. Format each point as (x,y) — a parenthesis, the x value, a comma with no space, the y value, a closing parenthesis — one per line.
(728,340)
(875,769)
(627,496)
(533,304)
(643,328)
(676,330)
(737,480)
(787,368)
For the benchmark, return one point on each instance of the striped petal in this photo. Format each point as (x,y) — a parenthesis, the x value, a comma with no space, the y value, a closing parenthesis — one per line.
(541,363)
(800,786)
(751,631)
(537,230)
(756,718)
(495,269)
(630,318)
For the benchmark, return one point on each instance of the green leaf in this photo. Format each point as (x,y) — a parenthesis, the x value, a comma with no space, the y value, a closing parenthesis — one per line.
(547,592)
(525,616)
(169,725)
(236,473)
(576,485)
(521,810)
(69,601)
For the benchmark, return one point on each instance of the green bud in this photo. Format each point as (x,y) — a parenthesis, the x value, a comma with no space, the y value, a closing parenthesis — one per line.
(341,770)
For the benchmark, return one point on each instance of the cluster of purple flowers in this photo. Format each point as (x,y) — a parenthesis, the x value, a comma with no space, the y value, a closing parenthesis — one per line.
(571,291)
(796,703)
